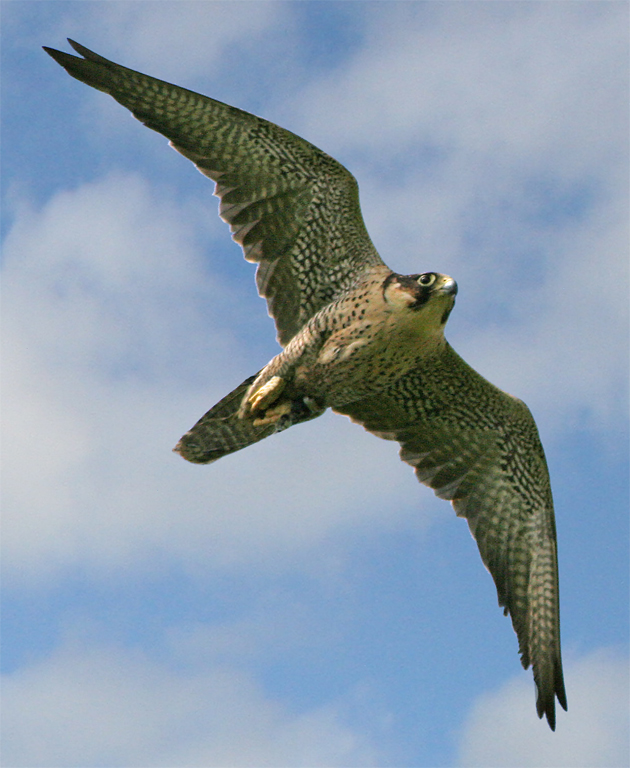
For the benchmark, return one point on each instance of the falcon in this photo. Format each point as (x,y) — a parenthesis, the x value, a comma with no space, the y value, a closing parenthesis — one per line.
(363,340)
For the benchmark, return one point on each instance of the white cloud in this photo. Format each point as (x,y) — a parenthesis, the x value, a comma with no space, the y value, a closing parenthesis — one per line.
(499,81)
(563,354)
(93,705)
(502,730)
(196,35)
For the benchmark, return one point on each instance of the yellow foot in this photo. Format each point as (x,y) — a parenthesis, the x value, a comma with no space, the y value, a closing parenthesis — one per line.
(266,394)
(272,415)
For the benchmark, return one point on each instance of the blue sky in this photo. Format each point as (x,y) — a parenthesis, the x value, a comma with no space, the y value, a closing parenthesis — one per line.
(304,602)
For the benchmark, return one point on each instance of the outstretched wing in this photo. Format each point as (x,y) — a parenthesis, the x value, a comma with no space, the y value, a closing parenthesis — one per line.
(292,208)
(479,448)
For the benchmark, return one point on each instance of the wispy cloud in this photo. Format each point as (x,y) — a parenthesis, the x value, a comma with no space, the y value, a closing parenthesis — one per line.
(499,731)
(101,705)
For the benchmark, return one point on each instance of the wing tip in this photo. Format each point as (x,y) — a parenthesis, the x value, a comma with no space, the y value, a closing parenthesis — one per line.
(546,706)
(58,56)
(546,698)
(91,69)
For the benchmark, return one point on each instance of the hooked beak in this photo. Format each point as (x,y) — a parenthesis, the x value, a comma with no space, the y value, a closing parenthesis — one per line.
(449,286)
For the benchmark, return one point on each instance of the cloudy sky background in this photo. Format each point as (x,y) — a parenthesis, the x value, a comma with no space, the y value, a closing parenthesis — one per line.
(304,602)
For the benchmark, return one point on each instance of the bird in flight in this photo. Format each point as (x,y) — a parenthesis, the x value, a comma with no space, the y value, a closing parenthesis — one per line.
(363,340)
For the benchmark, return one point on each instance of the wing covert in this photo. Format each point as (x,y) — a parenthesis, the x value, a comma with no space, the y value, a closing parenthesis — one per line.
(293,209)
(478,447)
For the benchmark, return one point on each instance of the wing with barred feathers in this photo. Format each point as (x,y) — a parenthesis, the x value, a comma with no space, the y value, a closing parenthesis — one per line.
(293,209)
(479,448)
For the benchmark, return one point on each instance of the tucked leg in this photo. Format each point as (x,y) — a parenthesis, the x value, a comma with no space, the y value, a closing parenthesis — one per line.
(264,396)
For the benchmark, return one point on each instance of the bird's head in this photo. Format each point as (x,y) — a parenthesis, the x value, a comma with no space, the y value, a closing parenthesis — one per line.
(429,296)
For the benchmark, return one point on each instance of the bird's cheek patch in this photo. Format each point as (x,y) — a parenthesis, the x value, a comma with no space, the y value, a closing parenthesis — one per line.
(398,297)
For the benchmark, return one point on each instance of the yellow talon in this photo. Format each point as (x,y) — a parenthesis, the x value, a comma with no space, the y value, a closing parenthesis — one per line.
(271,415)
(265,395)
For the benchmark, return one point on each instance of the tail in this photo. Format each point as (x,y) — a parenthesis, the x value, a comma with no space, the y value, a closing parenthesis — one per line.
(221,431)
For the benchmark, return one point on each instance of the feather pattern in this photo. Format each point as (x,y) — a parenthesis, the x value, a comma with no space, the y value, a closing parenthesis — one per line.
(478,447)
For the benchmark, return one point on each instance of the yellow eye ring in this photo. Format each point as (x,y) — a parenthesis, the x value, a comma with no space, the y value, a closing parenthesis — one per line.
(427,279)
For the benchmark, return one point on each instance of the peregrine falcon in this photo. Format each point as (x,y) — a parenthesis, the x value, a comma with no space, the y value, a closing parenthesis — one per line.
(363,340)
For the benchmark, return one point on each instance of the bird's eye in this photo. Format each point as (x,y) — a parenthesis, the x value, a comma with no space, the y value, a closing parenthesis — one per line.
(427,279)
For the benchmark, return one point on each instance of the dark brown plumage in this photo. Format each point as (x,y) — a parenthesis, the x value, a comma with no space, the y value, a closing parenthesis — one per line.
(363,340)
